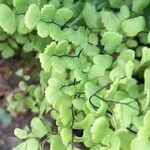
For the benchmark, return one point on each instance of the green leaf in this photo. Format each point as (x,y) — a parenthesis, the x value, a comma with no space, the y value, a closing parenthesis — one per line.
(90,50)
(125,138)
(50,49)
(47,12)
(93,38)
(58,65)
(111,45)
(68,3)
(70,90)
(149,37)
(65,115)
(56,3)
(22,134)
(124,13)
(32,16)
(56,143)
(96,71)
(87,138)
(117,72)
(32,144)
(110,21)
(116,3)
(112,142)
(45,62)
(79,75)
(22,146)
(21,39)
(90,15)
(143,37)
(144,133)
(28,47)
(3,34)
(80,37)
(7,19)
(136,144)
(7,51)
(138,121)
(53,95)
(100,129)
(146,120)
(125,56)
(113,88)
(38,128)
(61,48)
(146,80)
(40,3)
(145,56)
(39,43)
(132,88)
(89,89)
(55,32)
(20,6)
(129,69)
(139,5)
(22,28)
(131,43)
(43,29)
(66,135)
(125,112)
(104,60)
(128,26)
(85,123)
(54,83)
(78,104)
(62,16)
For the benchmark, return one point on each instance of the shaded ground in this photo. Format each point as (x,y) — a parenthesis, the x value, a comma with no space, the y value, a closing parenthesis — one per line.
(8,84)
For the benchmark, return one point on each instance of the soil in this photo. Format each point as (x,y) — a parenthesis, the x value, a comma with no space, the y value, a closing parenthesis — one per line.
(8,84)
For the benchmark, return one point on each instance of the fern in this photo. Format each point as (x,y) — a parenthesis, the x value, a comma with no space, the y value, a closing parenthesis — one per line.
(92,55)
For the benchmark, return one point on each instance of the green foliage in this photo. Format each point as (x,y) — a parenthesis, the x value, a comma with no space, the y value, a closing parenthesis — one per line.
(98,135)
(95,68)
(7,19)
(90,16)
(139,5)
(22,134)
(114,43)
(56,143)
(127,26)
(62,16)
(32,16)
(38,129)
(20,6)
(110,20)
(6,51)
(47,12)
